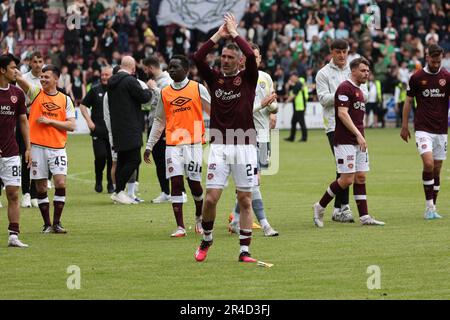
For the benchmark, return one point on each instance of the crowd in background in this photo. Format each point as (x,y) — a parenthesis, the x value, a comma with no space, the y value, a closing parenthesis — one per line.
(294,37)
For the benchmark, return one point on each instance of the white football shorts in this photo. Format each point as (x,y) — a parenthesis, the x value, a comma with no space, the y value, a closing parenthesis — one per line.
(184,160)
(350,158)
(45,159)
(431,142)
(10,171)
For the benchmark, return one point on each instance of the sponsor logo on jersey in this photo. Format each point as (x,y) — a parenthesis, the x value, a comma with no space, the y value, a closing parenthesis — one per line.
(342,97)
(13,99)
(442,82)
(6,111)
(433,93)
(237,81)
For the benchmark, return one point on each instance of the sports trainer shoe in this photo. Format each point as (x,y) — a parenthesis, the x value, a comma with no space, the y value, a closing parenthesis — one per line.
(14,241)
(431,214)
(98,187)
(344,215)
(179,233)
(256,226)
(136,200)
(234,227)
(198,225)
(47,229)
(202,251)
(270,232)
(58,228)
(34,203)
(318,215)
(121,198)
(162,198)
(367,220)
(245,257)
(26,201)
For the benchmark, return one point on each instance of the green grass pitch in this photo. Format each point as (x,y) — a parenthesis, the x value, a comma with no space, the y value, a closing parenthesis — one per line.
(125,252)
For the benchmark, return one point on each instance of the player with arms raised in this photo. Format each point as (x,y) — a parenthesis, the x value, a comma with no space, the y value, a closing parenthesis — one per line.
(233,134)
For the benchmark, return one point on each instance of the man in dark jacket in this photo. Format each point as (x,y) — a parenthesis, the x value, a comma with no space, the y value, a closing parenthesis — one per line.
(125,97)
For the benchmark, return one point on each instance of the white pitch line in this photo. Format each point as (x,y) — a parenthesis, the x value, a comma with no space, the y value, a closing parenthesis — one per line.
(74,176)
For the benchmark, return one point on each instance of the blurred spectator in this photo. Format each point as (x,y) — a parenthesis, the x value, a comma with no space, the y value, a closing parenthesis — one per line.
(4,15)
(38,9)
(9,43)
(21,11)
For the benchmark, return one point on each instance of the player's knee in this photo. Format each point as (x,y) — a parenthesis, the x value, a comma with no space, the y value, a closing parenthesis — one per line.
(245,201)
(12,194)
(360,178)
(428,166)
(210,201)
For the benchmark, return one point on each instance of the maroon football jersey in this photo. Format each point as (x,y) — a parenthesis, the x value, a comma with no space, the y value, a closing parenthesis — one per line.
(348,95)
(12,105)
(232,97)
(431,92)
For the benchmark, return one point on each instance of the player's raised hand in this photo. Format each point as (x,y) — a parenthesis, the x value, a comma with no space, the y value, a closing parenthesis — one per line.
(405,134)
(147,156)
(231,25)
(361,142)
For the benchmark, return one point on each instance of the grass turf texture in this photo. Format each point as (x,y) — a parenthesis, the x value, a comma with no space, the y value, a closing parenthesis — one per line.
(125,252)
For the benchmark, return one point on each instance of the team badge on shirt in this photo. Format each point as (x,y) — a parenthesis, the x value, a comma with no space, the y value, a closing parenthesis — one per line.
(237,81)
(442,82)
(14,98)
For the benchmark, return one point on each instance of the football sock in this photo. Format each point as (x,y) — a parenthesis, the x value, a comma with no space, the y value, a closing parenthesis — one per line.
(331,192)
(359,191)
(131,188)
(13,229)
(178,212)
(437,186)
(207,230)
(177,199)
(257,205)
(58,202)
(197,194)
(237,212)
(428,186)
(245,237)
(44,207)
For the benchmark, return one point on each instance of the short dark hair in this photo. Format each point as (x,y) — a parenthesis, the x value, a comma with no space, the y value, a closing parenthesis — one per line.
(54,69)
(233,46)
(339,44)
(151,61)
(36,54)
(183,59)
(356,62)
(434,50)
(6,59)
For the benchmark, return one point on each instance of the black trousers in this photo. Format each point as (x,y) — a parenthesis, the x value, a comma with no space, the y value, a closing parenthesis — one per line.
(343,198)
(102,156)
(159,157)
(127,162)
(28,185)
(298,117)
